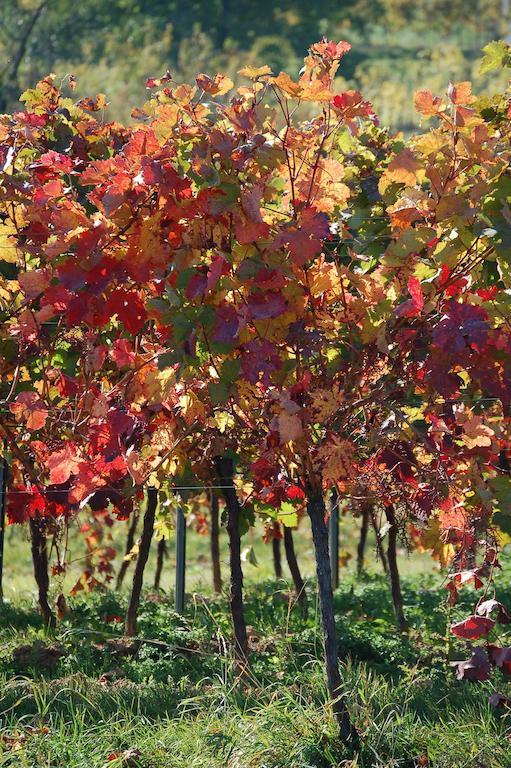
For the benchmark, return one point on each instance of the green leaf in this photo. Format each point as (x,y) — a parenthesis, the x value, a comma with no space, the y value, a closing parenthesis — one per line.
(230,371)
(287,515)
(247,519)
(167,359)
(411,240)
(501,490)
(8,349)
(503,521)
(248,556)
(218,392)
(8,270)
(497,54)
(501,487)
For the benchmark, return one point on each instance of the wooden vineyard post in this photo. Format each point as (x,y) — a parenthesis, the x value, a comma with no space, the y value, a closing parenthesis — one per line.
(179,599)
(333,537)
(3,490)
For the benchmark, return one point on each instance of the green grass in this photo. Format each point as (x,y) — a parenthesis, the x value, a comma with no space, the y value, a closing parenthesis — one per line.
(81,698)
(19,581)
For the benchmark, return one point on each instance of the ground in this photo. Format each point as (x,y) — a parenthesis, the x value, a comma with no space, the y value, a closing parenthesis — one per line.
(86,698)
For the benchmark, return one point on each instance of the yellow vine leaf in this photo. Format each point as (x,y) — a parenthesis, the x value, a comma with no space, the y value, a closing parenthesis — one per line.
(8,250)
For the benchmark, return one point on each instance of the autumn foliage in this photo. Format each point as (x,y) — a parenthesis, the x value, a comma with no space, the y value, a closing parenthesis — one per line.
(264,274)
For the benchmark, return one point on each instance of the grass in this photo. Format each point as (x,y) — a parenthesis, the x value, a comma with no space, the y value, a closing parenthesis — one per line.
(19,581)
(83,697)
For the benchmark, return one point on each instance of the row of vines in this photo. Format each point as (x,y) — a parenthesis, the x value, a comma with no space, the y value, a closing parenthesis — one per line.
(267,297)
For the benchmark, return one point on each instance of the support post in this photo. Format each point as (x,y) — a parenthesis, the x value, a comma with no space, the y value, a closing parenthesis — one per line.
(215,542)
(180,560)
(3,491)
(333,537)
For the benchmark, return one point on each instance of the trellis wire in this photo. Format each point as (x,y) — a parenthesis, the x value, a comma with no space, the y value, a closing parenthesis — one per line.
(178,488)
(71,411)
(47,489)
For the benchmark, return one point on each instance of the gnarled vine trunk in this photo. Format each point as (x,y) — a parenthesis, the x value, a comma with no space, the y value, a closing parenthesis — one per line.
(143,554)
(361,548)
(160,557)
(225,472)
(40,562)
(130,541)
(277,557)
(215,542)
(395,583)
(292,562)
(379,543)
(317,512)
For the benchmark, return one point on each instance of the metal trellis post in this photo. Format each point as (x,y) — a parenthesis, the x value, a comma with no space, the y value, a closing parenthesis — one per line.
(333,537)
(3,489)
(180,560)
